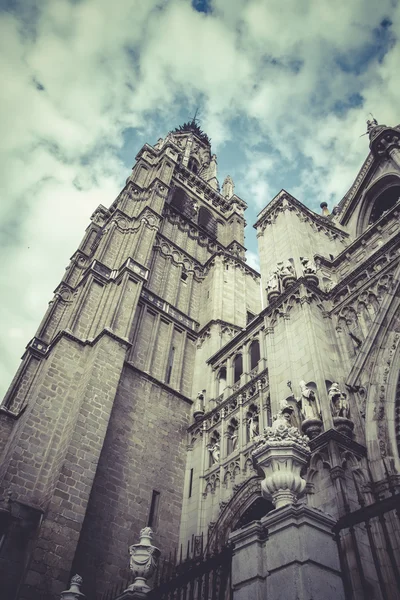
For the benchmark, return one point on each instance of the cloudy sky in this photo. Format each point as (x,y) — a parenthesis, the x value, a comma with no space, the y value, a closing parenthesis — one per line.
(284,88)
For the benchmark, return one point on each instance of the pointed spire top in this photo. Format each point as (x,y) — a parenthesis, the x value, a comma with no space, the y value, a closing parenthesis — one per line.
(194,127)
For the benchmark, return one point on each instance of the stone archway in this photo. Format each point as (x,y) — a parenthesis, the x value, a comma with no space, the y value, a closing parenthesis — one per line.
(247,504)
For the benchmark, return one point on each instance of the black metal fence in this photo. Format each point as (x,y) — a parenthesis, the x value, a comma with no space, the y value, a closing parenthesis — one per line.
(196,574)
(369,536)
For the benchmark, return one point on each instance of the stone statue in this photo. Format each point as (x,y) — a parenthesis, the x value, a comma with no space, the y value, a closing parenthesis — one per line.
(308,265)
(272,283)
(254,428)
(284,417)
(215,452)
(234,438)
(309,403)
(286,269)
(371,124)
(339,404)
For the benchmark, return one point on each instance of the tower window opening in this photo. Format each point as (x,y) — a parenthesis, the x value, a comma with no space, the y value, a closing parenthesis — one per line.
(184,276)
(170,365)
(181,202)
(237,367)
(154,506)
(207,221)
(254,351)
(193,165)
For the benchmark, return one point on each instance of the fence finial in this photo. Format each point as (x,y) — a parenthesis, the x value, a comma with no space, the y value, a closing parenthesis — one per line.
(74,592)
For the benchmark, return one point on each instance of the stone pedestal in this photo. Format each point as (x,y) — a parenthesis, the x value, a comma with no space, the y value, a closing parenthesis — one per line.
(289,555)
(344,426)
(312,428)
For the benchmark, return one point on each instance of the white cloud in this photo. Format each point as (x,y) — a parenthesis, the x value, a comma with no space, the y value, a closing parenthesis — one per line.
(79,74)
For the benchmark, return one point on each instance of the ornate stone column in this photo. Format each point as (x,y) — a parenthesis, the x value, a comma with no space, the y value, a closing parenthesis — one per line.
(281,453)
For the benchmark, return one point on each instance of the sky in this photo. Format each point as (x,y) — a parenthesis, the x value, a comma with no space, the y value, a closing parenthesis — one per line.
(283,89)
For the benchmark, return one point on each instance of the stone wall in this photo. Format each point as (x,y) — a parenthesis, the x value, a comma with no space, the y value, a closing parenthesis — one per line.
(144,450)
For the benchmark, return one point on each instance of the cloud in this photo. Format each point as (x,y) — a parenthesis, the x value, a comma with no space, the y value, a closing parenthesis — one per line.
(288,85)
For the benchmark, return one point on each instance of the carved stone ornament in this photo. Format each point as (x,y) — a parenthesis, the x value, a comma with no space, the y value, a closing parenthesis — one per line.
(312,427)
(281,453)
(286,273)
(273,286)
(309,270)
(74,592)
(198,409)
(143,562)
(340,410)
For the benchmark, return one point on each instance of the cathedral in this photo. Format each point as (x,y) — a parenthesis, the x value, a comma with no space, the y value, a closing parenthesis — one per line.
(177,405)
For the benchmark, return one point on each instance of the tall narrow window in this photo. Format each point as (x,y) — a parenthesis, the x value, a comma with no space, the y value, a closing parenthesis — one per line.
(191,483)
(237,367)
(153,514)
(170,364)
(254,354)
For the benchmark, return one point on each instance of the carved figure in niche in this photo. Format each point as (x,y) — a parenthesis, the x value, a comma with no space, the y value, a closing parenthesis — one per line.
(234,439)
(286,269)
(253,427)
(339,404)
(309,404)
(273,283)
(215,453)
(309,267)
(159,144)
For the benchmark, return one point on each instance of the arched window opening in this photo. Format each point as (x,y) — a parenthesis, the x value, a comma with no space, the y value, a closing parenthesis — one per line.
(221,380)
(194,165)
(254,352)
(181,202)
(384,202)
(233,436)
(207,221)
(258,509)
(237,367)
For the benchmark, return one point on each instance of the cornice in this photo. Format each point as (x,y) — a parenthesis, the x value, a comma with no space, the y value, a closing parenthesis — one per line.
(360,269)
(347,200)
(362,240)
(291,202)
(227,401)
(170,311)
(158,382)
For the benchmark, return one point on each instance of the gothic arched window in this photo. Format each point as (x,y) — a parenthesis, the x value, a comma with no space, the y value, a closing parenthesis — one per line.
(237,367)
(221,380)
(385,201)
(207,221)
(194,165)
(181,202)
(380,198)
(254,352)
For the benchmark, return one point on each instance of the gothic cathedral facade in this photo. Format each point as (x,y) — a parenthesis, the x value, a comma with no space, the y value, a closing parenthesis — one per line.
(163,356)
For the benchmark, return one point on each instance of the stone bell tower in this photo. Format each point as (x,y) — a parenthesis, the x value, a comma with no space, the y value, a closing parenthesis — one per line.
(93,427)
